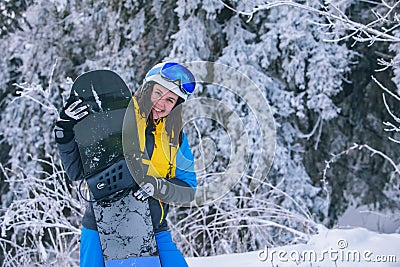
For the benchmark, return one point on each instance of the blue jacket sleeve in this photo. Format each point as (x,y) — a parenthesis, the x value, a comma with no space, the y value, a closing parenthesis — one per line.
(71,160)
(185,164)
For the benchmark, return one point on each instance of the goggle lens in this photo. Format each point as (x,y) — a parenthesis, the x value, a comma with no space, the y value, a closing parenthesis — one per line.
(174,72)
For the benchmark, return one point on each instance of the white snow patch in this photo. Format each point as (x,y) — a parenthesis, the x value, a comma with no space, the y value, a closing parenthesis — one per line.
(366,217)
(96,97)
(330,248)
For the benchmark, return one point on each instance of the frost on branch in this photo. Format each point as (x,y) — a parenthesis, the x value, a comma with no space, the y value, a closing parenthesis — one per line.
(242,222)
(41,223)
(40,214)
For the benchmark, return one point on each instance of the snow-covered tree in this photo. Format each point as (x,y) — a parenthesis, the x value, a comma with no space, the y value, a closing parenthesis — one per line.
(308,63)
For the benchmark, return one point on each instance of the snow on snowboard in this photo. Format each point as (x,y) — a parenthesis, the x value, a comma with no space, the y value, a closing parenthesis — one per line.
(124,223)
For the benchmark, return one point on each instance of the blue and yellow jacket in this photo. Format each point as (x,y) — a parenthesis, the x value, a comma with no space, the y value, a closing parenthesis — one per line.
(175,163)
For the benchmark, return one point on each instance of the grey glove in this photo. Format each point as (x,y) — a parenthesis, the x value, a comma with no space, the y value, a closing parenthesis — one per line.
(151,186)
(166,190)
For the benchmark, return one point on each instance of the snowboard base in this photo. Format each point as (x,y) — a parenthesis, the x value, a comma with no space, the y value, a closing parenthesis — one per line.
(125,229)
(153,261)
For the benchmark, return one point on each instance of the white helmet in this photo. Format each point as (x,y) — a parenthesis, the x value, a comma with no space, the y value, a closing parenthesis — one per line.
(174,77)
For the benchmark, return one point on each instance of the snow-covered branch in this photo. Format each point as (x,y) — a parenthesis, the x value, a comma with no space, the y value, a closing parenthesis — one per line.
(374,151)
(361,32)
(242,223)
(390,126)
(336,157)
(42,219)
(40,214)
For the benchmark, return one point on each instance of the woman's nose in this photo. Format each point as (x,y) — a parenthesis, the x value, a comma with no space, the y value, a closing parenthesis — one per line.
(161,101)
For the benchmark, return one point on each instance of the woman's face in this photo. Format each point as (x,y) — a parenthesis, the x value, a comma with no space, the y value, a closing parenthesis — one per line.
(163,101)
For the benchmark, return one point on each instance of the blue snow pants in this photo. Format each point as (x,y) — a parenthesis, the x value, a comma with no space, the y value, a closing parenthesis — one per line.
(91,254)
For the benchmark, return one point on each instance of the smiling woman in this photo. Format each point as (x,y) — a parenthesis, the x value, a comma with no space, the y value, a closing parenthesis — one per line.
(159,122)
(163,101)
(167,159)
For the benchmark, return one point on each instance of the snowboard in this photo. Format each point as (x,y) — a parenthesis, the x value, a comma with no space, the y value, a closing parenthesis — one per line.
(124,223)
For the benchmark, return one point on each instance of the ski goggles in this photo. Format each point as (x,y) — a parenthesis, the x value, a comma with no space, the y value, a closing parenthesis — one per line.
(176,73)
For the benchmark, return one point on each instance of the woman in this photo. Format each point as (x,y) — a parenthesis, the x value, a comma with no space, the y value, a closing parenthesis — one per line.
(159,121)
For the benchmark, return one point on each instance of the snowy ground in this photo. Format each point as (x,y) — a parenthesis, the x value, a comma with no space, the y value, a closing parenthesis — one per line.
(336,248)
(366,217)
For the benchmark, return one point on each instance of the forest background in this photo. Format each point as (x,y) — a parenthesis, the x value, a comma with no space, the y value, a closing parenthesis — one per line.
(328,72)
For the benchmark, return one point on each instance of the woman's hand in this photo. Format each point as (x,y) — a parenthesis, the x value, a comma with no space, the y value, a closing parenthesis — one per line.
(73,111)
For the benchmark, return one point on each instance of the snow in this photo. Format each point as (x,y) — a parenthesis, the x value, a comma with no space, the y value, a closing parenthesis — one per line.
(96,97)
(331,247)
(280,50)
(366,217)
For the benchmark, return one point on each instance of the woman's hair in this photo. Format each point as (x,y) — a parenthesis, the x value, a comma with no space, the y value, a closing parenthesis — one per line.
(173,123)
